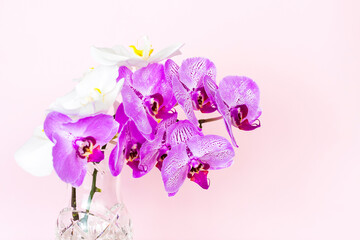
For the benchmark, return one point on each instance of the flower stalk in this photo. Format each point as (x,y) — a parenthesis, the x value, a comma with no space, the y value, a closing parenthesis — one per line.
(201,121)
(93,190)
(73,204)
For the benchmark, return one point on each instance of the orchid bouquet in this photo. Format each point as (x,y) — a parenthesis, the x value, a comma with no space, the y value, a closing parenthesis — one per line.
(132,101)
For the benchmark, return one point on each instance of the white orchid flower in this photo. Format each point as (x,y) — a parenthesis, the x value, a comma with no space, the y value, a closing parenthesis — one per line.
(134,56)
(35,156)
(95,93)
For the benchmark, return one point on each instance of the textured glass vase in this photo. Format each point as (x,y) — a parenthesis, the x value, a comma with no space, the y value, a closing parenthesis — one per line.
(95,209)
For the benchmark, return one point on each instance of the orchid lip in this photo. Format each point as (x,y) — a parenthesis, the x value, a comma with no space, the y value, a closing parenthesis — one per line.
(198,97)
(84,146)
(238,114)
(153,103)
(132,151)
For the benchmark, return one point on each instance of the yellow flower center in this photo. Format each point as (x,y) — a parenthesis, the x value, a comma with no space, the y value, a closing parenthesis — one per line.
(140,53)
(98,90)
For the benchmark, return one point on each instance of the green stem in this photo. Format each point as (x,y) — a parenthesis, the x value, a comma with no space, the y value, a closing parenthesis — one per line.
(201,121)
(93,190)
(73,204)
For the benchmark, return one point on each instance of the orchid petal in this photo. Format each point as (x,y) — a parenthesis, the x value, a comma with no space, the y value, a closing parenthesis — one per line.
(148,80)
(184,99)
(213,150)
(133,133)
(81,178)
(181,132)
(171,70)
(101,78)
(117,158)
(54,122)
(125,73)
(168,52)
(121,117)
(101,127)
(108,56)
(210,88)
(35,155)
(225,112)
(193,70)
(134,109)
(67,165)
(201,179)
(149,152)
(246,126)
(175,168)
(135,167)
(97,155)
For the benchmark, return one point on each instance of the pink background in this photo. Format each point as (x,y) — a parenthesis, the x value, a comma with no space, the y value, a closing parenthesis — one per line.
(297,177)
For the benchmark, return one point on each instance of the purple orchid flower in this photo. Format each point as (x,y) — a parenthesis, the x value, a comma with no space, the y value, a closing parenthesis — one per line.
(128,146)
(77,143)
(237,100)
(147,96)
(154,152)
(192,155)
(188,85)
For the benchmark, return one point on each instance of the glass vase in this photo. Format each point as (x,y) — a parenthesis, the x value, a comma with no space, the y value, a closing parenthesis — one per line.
(95,209)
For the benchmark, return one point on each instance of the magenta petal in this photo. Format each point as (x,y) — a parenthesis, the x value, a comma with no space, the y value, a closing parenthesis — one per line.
(172,194)
(117,158)
(102,127)
(210,88)
(80,179)
(121,117)
(149,153)
(184,99)
(193,70)
(171,70)
(133,107)
(175,168)
(246,126)
(53,123)
(135,167)
(148,79)
(225,112)
(97,155)
(235,90)
(125,73)
(213,150)
(181,132)
(167,122)
(66,163)
(201,179)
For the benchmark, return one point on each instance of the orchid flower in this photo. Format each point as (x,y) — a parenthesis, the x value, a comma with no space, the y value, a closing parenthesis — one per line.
(128,146)
(95,93)
(147,96)
(237,100)
(188,85)
(154,152)
(77,143)
(35,155)
(192,155)
(133,56)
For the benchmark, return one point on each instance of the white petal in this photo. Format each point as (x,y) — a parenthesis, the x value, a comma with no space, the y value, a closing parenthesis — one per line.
(165,53)
(108,56)
(111,96)
(67,103)
(102,78)
(144,43)
(35,156)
